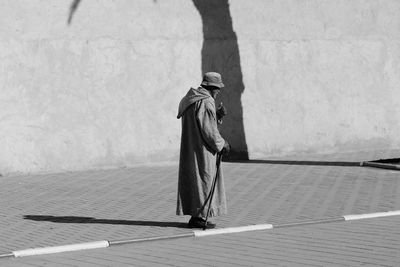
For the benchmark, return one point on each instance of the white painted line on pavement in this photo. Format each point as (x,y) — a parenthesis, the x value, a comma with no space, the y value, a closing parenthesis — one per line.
(7,255)
(299,223)
(196,233)
(232,230)
(371,215)
(58,249)
(154,238)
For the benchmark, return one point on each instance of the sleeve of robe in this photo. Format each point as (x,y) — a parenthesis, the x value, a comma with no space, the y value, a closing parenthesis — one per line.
(207,119)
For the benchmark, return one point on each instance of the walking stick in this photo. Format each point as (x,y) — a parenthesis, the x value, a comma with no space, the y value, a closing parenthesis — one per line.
(219,157)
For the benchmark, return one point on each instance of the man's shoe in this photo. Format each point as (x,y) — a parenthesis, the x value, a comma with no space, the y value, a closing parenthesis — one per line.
(196,222)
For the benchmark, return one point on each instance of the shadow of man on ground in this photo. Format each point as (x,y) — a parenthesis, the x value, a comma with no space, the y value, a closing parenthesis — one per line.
(78,219)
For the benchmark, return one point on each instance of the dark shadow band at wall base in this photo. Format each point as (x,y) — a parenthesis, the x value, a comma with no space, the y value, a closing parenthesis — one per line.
(386,165)
(390,164)
(236,156)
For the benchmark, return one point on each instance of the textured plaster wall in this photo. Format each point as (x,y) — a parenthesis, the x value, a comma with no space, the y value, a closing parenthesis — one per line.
(101,92)
(318,76)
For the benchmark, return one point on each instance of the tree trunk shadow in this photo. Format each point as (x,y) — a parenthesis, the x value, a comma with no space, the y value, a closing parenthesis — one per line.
(220,53)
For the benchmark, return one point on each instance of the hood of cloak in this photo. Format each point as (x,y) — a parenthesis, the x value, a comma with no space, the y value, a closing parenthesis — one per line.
(192,96)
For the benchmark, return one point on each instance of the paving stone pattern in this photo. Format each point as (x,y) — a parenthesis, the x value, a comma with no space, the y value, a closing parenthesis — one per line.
(371,242)
(74,207)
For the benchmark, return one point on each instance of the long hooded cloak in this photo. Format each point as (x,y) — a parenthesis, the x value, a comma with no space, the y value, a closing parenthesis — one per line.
(200,142)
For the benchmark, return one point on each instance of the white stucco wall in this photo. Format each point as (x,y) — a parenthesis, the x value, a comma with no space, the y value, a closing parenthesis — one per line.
(323,75)
(319,76)
(101,92)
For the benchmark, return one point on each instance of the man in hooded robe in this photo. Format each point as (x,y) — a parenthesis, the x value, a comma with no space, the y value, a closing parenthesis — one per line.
(200,144)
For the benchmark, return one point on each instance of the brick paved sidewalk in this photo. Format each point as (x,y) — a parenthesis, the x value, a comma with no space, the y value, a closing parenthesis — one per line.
(372,242)
(58,209)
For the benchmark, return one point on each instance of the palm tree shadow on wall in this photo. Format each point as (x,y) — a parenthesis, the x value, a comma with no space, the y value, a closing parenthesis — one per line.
(72,10)
(220,53)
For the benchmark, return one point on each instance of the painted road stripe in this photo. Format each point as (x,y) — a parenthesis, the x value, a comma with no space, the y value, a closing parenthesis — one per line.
(6,255)
(233,230)
(58,249)
(196,233)
(137,240)
(329,220)
(371,215)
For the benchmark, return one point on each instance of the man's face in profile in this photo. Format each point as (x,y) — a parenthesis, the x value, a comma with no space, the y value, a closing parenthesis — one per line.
(214,91)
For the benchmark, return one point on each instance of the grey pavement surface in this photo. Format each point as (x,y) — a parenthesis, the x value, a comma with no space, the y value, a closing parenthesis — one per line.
(66,208)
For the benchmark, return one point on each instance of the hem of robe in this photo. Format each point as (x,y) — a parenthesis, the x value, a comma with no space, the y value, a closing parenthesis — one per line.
(217,211)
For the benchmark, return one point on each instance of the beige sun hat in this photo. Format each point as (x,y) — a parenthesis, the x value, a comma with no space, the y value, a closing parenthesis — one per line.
(212,79)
